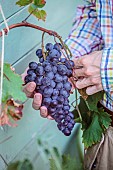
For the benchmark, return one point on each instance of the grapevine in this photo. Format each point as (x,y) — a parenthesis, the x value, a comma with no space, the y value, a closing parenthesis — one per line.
(51,77)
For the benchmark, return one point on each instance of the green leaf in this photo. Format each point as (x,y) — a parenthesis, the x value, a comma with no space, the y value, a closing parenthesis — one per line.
(53,164)
(39,3)
(93,133)
(104,118)
(84,111)
(24,2)
(18,165)
(40,14)
(93,100)
(12,85)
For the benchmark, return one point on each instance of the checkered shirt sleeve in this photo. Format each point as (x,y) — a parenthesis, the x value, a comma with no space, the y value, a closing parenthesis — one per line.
(92,31)
(105,17)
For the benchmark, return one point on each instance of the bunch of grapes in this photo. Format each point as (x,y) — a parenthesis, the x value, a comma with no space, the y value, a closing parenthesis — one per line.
(51,78)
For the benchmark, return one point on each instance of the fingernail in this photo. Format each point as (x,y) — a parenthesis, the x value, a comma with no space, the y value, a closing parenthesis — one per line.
(43,111)
(31,87)
(37,97)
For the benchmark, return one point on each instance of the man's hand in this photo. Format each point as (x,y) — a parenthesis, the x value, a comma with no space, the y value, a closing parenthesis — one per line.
(37,97)
(87,70)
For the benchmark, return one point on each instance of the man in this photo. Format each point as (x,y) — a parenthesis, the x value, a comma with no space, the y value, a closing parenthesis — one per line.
(91,43)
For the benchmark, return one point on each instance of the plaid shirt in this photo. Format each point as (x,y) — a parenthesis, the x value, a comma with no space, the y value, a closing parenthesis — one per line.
(93,30)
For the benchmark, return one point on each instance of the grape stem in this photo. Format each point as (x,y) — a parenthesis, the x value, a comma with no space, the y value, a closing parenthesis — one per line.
(44,56)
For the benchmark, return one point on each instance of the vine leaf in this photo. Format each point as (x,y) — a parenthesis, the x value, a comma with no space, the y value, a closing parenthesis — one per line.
(24,2)
(93,100)
(39,3)
(104,118)
(40,14)
(12,85)
(93,133)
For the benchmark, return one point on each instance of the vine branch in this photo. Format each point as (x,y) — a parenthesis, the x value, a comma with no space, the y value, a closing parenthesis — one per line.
(27,24)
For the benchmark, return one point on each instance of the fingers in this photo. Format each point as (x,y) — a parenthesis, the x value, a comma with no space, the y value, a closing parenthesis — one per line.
(37,100)
(85,82)
(44,113)
(94,89)
(37,105)
(29,89)
(80,72)
(78,62)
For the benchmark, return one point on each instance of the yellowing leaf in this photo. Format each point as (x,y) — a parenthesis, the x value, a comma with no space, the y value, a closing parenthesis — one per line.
(40,14)
(24,2)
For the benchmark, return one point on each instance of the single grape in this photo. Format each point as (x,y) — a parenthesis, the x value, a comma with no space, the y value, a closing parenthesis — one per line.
(38,80)
(48,68)
(41,60)
(53,53)
(58,46)
(46,101)
(52,83)
(67,86)
(39,70)
(46,81)
(30,71)
(59,85)
(39,53)
(63,60)
(33,65)
(58,78)
(48,91)
(62,69)
(50,75)
(49,46)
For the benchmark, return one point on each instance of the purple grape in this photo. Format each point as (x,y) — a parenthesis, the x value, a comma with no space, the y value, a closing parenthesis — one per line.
(67,86)
(62,69)
(30,71)
(39,53)
(64,93)
(53,53)
(48,91)
(58,46)
(33,65)
(46,101)
(41,60)
(52,83)
(63,60)
(49,46)
(39,70)
(48,68)
(54,103)
(54,68)
(66,132)
(38,80)
(58,78)
(46,81)
(50,75)
(59,85)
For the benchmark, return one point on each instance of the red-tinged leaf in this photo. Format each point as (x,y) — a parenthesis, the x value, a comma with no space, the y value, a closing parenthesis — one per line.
(14,109)
(39,3)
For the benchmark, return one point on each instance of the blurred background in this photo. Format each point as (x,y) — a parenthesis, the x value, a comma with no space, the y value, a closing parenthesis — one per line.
(20,47)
